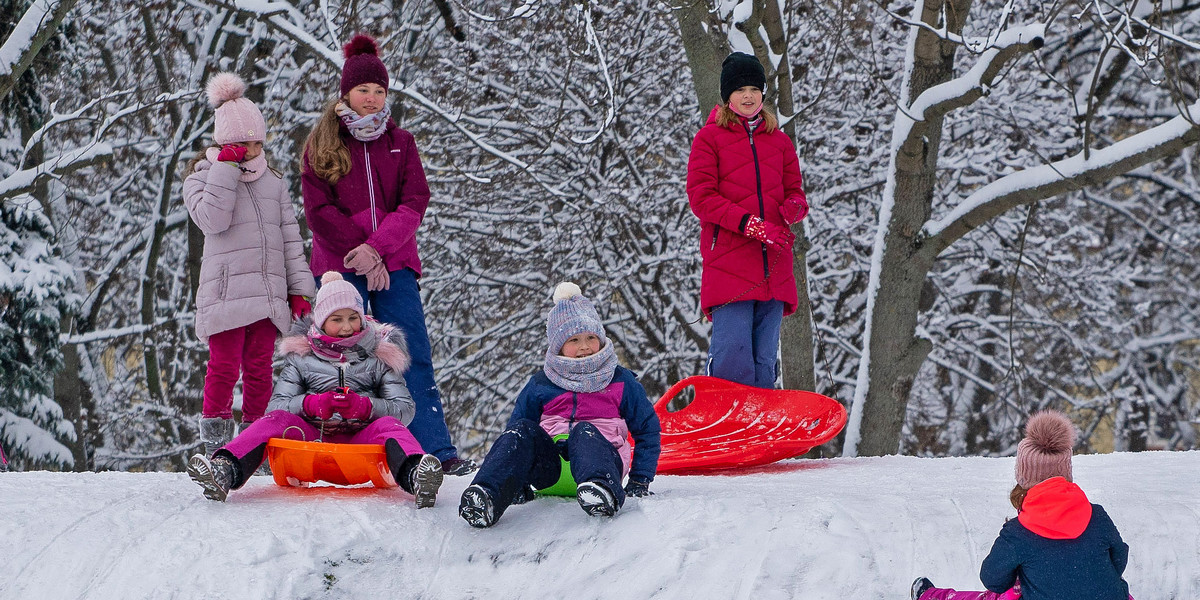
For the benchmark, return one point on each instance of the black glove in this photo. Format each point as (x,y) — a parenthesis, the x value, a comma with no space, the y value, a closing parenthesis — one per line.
(638,488)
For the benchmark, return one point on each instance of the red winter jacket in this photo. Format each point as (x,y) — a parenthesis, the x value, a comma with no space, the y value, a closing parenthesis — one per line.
(732,175)
(381,201)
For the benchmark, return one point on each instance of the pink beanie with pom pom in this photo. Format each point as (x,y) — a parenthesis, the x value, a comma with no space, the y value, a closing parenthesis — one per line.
(238,119)
(362,64)
(335,294)
(1046,450)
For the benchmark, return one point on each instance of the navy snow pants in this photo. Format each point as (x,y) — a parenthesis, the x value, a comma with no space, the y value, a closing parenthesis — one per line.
(526,455)
(745,342)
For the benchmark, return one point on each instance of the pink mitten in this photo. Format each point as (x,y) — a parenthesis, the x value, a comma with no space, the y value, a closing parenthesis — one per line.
(353,407)
(232,153)
(320,406)
(362,259)
(378,278)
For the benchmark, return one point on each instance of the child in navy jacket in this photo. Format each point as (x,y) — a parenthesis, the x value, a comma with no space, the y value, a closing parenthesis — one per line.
(583,392)
(1060,546)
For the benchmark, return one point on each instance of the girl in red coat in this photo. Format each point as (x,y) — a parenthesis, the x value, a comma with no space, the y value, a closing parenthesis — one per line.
(744,184)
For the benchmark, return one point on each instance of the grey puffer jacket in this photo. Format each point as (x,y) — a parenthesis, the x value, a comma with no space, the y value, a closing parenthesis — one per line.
(376,371)
(253,253)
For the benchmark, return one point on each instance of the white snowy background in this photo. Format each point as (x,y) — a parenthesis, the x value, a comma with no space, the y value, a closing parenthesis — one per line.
(806,529)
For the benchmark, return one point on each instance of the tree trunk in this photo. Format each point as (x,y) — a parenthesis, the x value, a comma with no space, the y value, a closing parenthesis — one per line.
(706,46)
(895,354)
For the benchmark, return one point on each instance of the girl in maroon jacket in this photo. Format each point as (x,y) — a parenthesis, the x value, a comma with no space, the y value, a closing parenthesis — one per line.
(364,197)
(744,184)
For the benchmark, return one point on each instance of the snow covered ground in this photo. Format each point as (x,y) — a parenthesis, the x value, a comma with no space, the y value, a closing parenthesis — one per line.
(819,529)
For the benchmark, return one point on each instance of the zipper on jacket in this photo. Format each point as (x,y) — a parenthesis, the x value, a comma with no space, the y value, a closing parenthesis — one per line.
(574,410)
(762,214)
(716,232)
(370,188)
(263,237)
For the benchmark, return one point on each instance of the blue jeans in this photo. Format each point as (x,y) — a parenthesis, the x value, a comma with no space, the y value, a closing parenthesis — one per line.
(745,342)
(526,455)
(400,305)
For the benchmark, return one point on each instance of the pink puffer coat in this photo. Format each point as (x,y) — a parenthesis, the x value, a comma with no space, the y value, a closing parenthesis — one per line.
(253,254)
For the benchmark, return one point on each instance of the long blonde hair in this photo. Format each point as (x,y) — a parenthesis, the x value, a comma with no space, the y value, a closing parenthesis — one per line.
(324,149)
(727,118)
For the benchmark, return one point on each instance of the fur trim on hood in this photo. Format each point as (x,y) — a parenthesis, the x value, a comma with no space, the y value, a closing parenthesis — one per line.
(390,347)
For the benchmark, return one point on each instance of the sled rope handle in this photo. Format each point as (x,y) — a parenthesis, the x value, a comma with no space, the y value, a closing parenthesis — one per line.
(285,430)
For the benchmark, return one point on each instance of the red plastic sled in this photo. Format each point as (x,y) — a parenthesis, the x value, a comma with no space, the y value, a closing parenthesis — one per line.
(729,425)
(296,464)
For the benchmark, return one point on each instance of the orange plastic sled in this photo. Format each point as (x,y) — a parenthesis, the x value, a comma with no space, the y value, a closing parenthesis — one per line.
(296,464)
(729,425)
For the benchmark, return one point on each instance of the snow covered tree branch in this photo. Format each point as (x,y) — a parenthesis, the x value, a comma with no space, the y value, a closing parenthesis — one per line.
(1038,183)
(36,27)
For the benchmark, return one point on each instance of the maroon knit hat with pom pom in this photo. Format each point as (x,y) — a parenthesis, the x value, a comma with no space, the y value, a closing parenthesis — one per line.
(362,64)
(1046,450)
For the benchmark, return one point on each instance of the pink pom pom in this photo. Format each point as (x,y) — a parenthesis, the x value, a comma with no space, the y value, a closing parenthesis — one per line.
(330,276)
(360,44)
(1050,432)
(224,87)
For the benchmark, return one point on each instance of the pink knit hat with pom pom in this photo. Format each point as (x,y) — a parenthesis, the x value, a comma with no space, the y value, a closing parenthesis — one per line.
(1046,450)
(335,294)
(362,64)
(238,119)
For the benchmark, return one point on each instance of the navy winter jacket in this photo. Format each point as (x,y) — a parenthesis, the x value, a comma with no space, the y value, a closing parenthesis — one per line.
(623,399)
(1061,547)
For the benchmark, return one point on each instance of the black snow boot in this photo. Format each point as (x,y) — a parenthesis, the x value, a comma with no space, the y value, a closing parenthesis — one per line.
(216,476)
(476,507)
(919,587)
(595,499)
(418,474)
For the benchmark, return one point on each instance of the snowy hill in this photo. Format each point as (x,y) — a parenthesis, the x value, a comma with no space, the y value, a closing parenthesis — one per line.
(820,529)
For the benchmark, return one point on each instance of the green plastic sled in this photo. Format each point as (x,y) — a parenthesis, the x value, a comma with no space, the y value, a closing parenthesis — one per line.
(565,486)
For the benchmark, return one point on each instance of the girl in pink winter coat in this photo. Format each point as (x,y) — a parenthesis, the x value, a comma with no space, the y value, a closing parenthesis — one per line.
(342,382)
(744,184)
(253,276)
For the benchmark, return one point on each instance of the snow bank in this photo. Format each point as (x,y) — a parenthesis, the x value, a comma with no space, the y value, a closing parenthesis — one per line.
(820,529)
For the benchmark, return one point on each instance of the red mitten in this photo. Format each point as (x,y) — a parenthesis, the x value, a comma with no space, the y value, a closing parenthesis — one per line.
(353,407)
(768,233)
(232,153)
(794,209)
(299,306)
(319,406)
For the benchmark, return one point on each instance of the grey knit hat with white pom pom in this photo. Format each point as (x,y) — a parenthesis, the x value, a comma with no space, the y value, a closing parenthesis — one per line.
(238,119)
(572,314)
(1046,450)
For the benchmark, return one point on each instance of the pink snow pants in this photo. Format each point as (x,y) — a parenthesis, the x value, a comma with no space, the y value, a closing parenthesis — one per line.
(246,351)
(283,424)
(949,594)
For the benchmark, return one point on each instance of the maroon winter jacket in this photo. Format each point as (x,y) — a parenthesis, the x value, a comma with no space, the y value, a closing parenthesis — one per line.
(381,201)
(731,175)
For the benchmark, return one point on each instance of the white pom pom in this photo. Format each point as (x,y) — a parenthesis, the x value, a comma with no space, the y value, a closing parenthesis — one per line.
(565,291)
(224,87)
(330,276)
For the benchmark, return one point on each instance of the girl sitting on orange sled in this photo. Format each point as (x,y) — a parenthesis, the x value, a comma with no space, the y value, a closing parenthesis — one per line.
(315,398)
